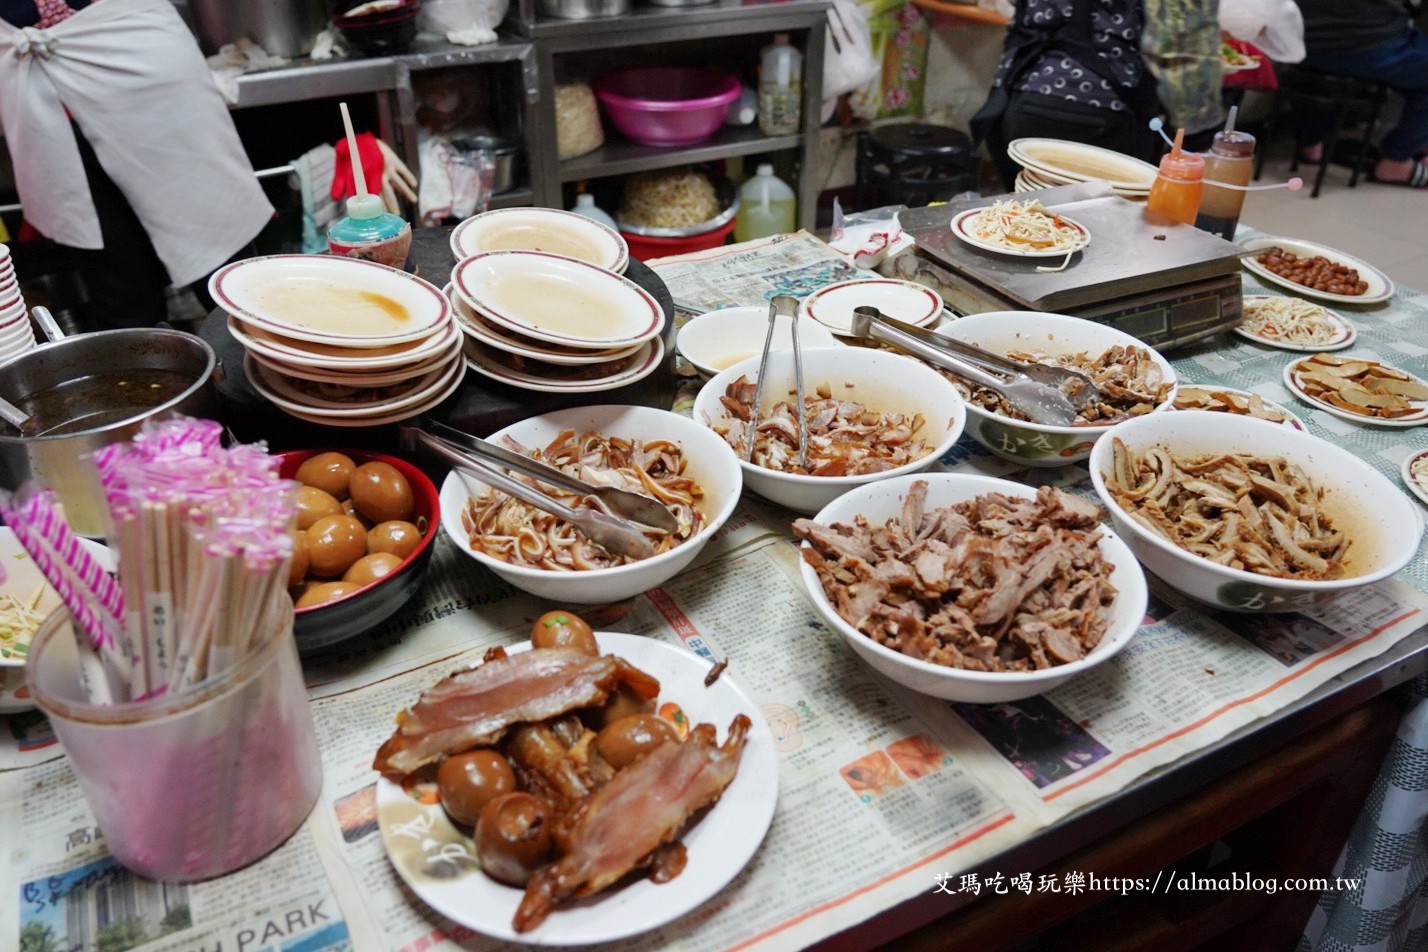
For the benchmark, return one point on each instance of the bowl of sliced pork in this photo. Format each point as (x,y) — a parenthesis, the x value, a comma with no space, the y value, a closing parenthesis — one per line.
(1248,515)
(869,415)
(971,588)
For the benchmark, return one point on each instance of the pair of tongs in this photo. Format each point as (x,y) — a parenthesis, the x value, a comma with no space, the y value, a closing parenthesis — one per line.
(619,531)
(1042,401)
(781,306)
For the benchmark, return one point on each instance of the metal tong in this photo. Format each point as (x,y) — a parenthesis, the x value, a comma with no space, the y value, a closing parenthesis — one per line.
(619,533)
(785,306)
(1041,402)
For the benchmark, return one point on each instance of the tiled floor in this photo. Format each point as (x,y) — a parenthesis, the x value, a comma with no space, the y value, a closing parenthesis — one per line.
(1385,225)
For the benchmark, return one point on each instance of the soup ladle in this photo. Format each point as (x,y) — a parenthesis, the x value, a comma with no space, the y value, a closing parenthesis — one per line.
(17,418)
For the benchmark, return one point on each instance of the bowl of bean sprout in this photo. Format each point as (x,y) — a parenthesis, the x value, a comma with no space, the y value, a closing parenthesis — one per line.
(653,452)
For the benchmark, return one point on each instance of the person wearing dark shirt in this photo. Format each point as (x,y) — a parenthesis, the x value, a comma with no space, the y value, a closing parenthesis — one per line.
(1070,69)
(1372,39)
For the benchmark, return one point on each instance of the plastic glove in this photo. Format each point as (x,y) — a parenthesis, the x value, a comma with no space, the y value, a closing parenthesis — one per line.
(368,150)
(397,179)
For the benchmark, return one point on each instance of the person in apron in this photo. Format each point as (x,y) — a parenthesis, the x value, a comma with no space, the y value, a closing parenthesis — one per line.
(123,149)
(1070,69)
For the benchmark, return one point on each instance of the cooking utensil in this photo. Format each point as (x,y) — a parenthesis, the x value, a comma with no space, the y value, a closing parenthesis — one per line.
(17,418)
(1041,403)
(786,306)
(621,502)
(616,535)
(48,324)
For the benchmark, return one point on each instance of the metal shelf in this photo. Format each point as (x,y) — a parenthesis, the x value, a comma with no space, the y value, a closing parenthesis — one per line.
(619,156)
(673,24)
(524,195)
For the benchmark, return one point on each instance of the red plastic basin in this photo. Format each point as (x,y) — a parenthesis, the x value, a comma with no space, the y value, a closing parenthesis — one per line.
(645,247)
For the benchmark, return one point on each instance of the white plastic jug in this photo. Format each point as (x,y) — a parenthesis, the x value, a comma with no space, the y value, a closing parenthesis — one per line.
(585,205)
(780,88)
(767,206)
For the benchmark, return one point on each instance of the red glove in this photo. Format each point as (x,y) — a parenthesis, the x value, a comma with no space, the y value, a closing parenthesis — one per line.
(370,153)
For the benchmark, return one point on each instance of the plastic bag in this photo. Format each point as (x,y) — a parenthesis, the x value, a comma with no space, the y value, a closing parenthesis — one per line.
(464,22)
(848,61)
(867,237)
(1275,26)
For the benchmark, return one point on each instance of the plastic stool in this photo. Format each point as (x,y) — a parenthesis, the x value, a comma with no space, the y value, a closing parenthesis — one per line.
(1346,98)
(913,164)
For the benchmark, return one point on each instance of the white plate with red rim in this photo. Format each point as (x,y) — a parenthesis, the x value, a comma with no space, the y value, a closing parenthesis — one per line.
(327,356)
(315,416)
(364,378)
(346,302)
(1186,390)
(542,229)
(558,300)
(1058,161)
(903,300)
(644,362)
(962,228)
(354,400)
(1380,286)
(1418,487)
(477,327)
(1417,418)
(438,859)
(1344,333)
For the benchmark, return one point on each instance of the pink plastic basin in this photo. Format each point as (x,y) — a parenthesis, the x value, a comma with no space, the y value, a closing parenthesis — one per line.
(666,105)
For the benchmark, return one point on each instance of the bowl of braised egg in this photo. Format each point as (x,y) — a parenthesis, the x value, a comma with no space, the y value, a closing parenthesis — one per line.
(366,529)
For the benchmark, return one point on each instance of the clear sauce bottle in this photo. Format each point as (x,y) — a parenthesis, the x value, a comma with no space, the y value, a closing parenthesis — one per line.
(1230,161)
(1178,185)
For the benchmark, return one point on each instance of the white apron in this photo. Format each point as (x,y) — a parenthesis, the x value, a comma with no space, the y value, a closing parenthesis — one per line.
(131,75)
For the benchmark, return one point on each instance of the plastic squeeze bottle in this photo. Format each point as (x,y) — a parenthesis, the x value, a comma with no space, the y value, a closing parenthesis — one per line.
(368,231)
(1230,161)
(1178,185)
(585,205)
(767,206)
(780,87)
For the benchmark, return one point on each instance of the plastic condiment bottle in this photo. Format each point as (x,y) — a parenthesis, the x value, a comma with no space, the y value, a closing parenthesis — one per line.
(1231,159)
(1178,185)
(370,231)
(780,87)
(585,205)
(767,206)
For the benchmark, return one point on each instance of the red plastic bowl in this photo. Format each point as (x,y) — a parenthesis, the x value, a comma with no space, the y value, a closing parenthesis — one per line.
(666,105)
(645,247)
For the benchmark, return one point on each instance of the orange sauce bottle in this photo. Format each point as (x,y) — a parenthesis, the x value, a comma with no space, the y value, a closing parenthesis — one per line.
(1178,185)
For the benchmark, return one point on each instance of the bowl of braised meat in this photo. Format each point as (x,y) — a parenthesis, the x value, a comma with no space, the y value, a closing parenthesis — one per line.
(1248,515)
(1130,380)
(870,415)
(971,588)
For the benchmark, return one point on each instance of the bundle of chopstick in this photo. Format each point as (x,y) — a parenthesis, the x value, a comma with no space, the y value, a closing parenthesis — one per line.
(204,542)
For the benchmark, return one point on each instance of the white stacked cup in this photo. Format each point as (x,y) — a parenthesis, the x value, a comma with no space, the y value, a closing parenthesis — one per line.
(16,334)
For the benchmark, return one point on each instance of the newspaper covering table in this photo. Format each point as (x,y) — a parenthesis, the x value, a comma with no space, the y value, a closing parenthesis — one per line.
(883,792)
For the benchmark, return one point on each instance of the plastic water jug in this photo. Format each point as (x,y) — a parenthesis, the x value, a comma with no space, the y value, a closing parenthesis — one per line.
(767,206)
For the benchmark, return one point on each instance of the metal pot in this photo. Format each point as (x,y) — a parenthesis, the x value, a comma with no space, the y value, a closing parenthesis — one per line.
(503,154)
(582,9)
(59,462)
(282,27)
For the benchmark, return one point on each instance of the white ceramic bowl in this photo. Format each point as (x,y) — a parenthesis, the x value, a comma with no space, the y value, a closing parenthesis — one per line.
(23,577)
(710,462)
(879,502)
(1385,525)
(880,380)
(720,339)
(1037,444)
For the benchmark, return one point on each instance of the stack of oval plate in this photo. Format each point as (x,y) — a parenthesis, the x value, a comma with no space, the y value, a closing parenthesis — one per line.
(16,335)
(341,341)
(1048,162)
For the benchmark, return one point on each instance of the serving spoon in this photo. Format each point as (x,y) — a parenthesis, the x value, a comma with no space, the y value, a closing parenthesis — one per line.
(17,418)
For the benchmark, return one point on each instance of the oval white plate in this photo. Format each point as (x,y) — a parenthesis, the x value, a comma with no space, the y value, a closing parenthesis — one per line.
(1414,486)
(1076,162)
(1380,286)
(1417,419)
(340,358)
(833,306)
(375,378)
(558,300)
(317,298)
(719,339)
(1344,332)
(646,360)
(1290,417)
(385,418)
(962,224)
(719,845)
(474,325)
(271,386)
(542,229)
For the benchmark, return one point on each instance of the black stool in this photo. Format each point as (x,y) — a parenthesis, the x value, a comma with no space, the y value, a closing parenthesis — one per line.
(1348,99)
(913,164)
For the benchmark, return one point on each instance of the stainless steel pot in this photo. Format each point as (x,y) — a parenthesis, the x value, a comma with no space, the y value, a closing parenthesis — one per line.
(282,27)
(583,9)
(59,462)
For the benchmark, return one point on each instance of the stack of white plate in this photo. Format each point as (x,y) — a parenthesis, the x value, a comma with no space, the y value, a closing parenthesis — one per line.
(16,335)
(1049,162)
(341,341)
(556,324)
(542,229)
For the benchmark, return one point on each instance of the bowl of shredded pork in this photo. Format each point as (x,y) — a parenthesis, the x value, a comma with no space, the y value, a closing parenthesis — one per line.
(1248,515)
(972,588)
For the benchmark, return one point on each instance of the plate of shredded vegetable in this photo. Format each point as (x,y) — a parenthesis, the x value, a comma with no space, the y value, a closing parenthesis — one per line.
(1026,229)
(1294,324)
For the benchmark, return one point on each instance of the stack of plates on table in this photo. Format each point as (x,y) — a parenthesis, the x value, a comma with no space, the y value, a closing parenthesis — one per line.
(541,229)
(16,335)
(1048,162)
(546,322)
(341,341)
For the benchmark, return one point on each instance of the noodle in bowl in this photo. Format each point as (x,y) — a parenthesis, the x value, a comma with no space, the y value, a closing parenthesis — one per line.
(709,463)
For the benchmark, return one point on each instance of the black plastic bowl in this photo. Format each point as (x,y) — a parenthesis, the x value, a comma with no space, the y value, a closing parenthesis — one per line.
(320,627)
(380,33)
